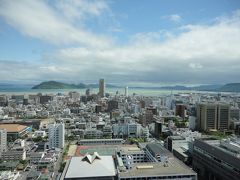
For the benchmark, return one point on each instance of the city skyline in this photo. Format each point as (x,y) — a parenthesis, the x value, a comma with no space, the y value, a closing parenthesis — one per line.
(129,42)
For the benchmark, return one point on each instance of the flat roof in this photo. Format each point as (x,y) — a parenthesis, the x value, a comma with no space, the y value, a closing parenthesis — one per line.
(99,140)
(150,169)
(157,148)
(103,150)
(13,127)
(130,149)
(176,137)
(103,167)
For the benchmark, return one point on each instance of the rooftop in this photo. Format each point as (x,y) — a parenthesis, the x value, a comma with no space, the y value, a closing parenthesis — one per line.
(13,127)
(130,149)
(157,148)
(98,168)
(173,167)
(103,150)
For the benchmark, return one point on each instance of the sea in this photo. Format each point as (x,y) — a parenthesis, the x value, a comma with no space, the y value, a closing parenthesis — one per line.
(111,91)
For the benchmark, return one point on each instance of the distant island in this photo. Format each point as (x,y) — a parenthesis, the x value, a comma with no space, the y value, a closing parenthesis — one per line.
(60,85)
(231,87)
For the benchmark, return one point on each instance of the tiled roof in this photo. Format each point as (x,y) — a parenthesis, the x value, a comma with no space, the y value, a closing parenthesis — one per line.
(13,127)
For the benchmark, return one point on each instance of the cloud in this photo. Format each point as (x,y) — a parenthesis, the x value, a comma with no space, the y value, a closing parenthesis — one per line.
(195,66)
(82,9)
(194,55)
(39,20)
(173,17)
(197,53)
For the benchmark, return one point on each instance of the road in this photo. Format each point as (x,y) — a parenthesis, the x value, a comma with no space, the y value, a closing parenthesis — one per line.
(57,165)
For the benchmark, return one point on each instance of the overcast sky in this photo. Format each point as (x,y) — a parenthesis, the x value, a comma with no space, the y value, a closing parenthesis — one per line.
(123,41)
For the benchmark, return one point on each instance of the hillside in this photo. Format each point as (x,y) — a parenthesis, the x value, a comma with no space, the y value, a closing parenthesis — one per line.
(54,85)
(231,87)
(59,85)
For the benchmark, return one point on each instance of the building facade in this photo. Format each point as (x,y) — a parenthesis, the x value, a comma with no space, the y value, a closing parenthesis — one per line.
(213,159)
(213,116)
(56,135)
(101,88)
(3,141)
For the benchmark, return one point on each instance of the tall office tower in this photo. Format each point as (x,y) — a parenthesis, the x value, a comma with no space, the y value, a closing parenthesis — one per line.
(158,129)
(56,135)
(126,91)
(213,116)
(180,110)
(101,87)
(223,116)
(3,141)
(206,116)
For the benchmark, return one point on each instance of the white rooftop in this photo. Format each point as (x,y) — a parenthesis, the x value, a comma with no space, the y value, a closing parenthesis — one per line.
(79,168)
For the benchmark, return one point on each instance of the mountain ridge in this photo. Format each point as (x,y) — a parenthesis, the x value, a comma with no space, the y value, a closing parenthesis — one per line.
(60,85)
(230,87)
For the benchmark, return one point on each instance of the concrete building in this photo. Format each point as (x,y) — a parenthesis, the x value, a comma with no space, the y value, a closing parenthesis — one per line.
(14,131)
(91,166)
(98,108)
(215,159)
(93,134)
(56,135)
(90,142)
(101,88)
(14,154)
(159,164)
(36,157)
(136,154)
(126,91)
(180,110)
(3,100)
(158,129)
(175,142)
(192,122)
(213,116)
(74,95)
(235,113)
(45,99)
(112,105)
(155,152)
(158,170)
(127,130)
(3,141)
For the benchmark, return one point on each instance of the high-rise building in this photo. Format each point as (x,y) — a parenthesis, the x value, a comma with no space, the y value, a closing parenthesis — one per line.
(74,95)
(101,88)
(223,122)
(45,99)
(158,129)
(213,116)
(3,141)
(126,91)
(88,92)
(56,135)
(180,110)
(112,105)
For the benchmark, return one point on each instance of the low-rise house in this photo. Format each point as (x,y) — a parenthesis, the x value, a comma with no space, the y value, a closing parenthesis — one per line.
(14,154)
(36,157)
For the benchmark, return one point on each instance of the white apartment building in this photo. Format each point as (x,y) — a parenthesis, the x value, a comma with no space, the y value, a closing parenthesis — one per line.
(56,135)
(3,141)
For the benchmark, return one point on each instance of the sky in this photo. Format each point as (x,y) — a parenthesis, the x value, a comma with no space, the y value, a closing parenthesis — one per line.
(123,41)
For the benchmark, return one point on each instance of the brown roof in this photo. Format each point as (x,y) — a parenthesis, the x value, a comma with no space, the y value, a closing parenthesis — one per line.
(13,127)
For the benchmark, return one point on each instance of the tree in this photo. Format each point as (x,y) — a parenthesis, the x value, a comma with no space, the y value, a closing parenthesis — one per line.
(38,139)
